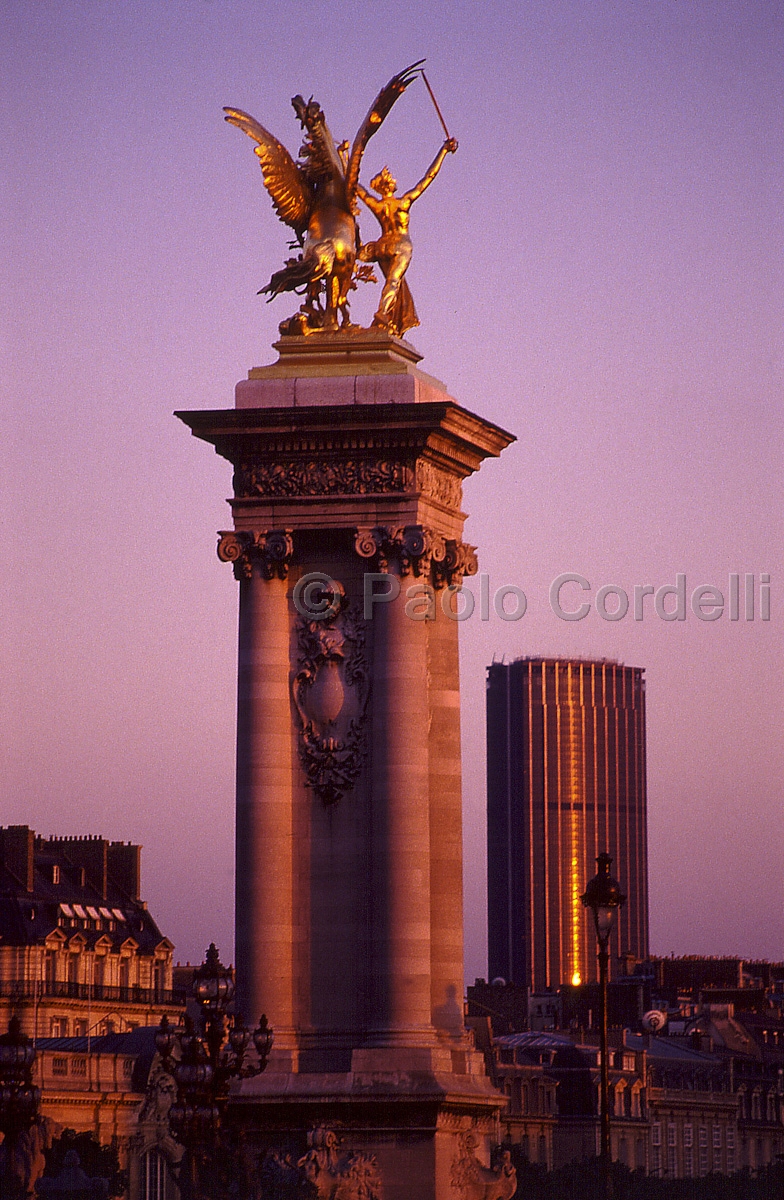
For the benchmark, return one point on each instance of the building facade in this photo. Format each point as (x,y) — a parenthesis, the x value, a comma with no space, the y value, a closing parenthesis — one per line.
(80,954)
(566,776)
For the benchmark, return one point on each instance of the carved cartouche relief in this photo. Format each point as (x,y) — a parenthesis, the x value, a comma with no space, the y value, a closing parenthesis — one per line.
(330,688)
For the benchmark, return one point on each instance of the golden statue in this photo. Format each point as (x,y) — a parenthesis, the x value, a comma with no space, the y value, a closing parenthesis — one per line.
(317,197)
(393,249)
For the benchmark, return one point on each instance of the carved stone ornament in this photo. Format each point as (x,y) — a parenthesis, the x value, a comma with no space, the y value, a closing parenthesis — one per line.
(474,1181)
(330,689)
(326,1171)
(314,477)
(271,550)
(417,550)
(439,485)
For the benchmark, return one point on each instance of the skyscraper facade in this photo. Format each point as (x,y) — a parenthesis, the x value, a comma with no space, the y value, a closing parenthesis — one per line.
(566,780)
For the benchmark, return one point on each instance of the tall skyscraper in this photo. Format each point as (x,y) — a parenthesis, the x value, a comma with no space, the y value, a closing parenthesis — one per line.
(565,780)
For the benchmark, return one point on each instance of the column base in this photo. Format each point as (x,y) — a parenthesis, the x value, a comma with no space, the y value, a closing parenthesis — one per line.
(407,1115)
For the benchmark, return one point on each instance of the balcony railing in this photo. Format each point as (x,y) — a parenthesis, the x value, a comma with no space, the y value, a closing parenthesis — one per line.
(61,989)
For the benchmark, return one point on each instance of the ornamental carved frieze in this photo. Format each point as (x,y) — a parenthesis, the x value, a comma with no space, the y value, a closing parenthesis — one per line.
(416,550)
(269,550)
(439,485)
(322,477)
(330,689)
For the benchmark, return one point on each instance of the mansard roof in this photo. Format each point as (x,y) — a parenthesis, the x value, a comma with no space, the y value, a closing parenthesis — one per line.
(44,887)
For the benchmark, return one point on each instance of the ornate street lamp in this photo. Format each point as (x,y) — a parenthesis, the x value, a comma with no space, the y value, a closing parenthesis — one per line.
(203,1057)
(604,897)
(19,1097)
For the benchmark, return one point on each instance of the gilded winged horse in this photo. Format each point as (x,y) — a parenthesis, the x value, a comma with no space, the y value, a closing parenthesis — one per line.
(317,197)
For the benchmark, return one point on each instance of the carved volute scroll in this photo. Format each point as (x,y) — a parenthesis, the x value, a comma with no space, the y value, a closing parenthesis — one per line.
(416,550)
(270,551)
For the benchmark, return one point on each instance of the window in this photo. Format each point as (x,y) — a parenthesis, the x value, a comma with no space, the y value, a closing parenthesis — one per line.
(58,1027)
(656,1134)
(127,1068)
(79,1066)
(55,873)
(656,1161)
(688,1135)
(756,1106)
(688,1162)
(59,1065)
(80,1028)
(672,1161)
(717,1137)
(771,1115)
(672,1134)
(703,1150)
(153,1176)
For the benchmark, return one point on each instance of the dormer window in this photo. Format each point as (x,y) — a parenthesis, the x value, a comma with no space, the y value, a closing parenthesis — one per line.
(55,873)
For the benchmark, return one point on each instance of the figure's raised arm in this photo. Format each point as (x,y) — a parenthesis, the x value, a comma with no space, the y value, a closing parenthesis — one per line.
(365,195)
(449,147)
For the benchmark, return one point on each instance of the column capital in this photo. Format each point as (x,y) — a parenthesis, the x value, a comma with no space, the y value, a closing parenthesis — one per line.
(271,550)
(416,550)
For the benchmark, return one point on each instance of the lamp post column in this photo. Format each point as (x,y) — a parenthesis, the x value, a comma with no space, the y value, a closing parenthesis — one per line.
(604,897)
(604,1086)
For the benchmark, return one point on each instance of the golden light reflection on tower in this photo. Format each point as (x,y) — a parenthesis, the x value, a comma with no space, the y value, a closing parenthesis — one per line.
(576,799)
(566,780)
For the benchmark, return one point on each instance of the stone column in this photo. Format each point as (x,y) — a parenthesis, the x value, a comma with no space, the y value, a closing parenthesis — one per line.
(446,815)
(265,936)
(400,810)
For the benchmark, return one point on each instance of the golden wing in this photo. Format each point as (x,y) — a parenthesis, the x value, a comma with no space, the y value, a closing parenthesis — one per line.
(289,192)
(379,109)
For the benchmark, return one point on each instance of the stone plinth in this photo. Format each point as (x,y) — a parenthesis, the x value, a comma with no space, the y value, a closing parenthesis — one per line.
(349,461)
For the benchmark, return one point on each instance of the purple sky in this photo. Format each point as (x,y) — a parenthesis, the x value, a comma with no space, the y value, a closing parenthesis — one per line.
(599,270)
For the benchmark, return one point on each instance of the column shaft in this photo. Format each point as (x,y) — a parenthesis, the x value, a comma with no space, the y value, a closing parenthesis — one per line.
(264,887)
(446,826)
(400,840)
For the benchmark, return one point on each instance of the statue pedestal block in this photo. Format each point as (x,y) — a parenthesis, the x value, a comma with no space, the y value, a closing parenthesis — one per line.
(348,469)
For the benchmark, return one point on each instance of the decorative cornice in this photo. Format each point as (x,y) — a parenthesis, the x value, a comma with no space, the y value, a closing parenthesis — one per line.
(440,431)
(270,550)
